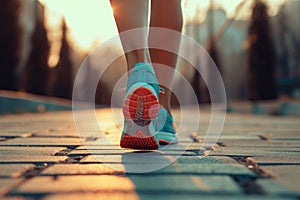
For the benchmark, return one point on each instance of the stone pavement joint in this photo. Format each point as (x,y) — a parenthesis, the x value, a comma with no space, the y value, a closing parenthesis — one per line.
(221,144)
(263,137)
(65,152)
(34,171)
(73,159)
(249,185)
(253,166)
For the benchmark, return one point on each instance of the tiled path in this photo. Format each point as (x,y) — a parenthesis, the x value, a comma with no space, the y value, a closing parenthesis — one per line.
(42,157)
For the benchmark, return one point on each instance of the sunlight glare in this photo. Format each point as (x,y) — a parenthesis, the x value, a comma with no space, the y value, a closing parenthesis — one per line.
(92,21)
(89,21)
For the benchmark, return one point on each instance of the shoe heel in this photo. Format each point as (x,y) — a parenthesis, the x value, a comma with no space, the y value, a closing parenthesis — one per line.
(138,137)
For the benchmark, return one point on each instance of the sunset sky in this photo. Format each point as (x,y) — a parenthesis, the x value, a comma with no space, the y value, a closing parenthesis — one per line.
(91,21)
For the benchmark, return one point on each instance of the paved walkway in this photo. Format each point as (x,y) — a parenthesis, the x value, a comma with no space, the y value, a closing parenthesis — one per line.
(42,157)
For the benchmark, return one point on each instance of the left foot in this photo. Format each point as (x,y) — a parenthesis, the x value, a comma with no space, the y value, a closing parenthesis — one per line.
(140,107)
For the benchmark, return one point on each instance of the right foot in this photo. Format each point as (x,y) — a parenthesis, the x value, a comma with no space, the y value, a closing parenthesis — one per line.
(165,127)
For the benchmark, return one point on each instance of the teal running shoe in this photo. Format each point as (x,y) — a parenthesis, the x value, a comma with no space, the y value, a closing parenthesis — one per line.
(140,108)
(165,128)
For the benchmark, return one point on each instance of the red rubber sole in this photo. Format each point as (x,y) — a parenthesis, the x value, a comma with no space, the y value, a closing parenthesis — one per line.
(138,142)
(141,105)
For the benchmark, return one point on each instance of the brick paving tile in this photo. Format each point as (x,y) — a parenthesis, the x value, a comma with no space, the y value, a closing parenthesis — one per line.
(185,183)
(286,175)
(79,169)
(87,183)
(40,141)
(266,160)
(109,146)
(14,170)
(102,159)
(205,165)
(273,188)
(30,159)
(93,196)
(29,151)
(126,159)
(57,133)
(254,152)
(120,152)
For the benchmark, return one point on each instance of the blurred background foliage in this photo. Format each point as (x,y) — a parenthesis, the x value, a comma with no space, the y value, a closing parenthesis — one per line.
(255,46)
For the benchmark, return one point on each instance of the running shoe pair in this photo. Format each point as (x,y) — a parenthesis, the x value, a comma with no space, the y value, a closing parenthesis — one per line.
(147,124)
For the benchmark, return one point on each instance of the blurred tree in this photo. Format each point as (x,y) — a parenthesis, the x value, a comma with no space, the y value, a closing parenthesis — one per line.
(212,40)
(197,82)
(262,59)
(36,72)
(10,39)
(62,84)
(289,45)
(103,95)
(283,56)
(211,47)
